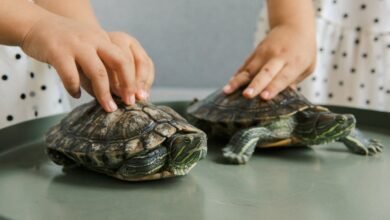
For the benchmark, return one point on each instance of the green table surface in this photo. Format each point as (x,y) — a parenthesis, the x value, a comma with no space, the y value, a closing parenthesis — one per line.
(322,182)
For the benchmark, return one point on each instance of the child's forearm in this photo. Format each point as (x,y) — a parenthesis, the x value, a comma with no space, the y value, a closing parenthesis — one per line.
(16,19)
(299,13)
(79,10)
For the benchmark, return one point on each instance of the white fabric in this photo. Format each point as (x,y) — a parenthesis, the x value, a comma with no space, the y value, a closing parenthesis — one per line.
(353,54)
(29,89)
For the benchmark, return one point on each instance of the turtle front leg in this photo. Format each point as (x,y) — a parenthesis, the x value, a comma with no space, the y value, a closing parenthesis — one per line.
(243,144)
(357,143)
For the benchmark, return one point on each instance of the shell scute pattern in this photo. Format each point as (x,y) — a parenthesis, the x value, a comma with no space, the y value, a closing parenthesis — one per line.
(219,107)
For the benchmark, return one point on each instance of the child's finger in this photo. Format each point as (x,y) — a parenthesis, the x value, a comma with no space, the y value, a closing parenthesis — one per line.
(67,70)
(245,64)
(144,70)
(245,76)
(237,81)
(121,65)
(281,81)
(96,72)
(264,77)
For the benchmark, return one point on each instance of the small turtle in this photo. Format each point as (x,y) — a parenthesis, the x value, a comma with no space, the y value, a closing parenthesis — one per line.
(134,143)
(288,119)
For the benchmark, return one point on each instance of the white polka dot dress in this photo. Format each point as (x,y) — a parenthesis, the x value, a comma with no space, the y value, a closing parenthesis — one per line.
(353,40)
(29,89)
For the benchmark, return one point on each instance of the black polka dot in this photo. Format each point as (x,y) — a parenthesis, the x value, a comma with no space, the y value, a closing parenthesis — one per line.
(376,39)
(357,41)
(334,1)
(362,85)
(319,9)
(36,113)
(341,83)
(299,89)
(330,95)
(10,118)
(344,54)
(363,6)
(333,52)
(341,37)
(4,77)
(345,15)
(59,100)
(376,20)
(18,56)
(364,55)
(49,66)
(358,29)
(353,70)
(43,87)
(321,49)
(381,88)
(23,96)
(350,98)
(388,91)
(368,102)
(373,71)
(388,46)
(335,67)
(32,75)
(32,94)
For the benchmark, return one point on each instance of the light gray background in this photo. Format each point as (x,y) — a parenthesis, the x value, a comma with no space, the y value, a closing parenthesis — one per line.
(197,43)
(194,44)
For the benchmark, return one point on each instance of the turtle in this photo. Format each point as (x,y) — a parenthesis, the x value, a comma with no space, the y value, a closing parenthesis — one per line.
(289,119)
(135,143)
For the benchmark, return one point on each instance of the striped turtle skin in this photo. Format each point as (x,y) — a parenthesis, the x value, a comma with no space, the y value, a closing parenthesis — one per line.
(134,143)
(287,120)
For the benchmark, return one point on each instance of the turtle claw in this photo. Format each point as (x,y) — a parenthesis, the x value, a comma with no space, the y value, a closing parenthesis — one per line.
(234,158)
(374,147)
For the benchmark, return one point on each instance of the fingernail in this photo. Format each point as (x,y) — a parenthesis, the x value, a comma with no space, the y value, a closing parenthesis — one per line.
(144,95)
(265,95)
(227,88)
(249,92)
(78,94)
(132,100)
(112,105)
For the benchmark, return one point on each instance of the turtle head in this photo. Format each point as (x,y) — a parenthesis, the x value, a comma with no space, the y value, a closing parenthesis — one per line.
(185,150)
(322,127)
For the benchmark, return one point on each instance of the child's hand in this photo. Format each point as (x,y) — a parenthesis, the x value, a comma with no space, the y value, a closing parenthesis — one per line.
(70,46)
(286,56)
(143,65)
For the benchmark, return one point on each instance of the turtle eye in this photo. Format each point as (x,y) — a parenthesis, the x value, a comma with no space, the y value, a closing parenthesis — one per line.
(341,119)
(304,115)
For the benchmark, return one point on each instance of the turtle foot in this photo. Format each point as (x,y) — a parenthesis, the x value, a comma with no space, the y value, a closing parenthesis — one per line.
(359,144)
(234,158)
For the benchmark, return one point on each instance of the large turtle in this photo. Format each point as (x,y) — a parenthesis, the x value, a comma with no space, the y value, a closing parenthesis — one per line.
(288,119)
(140,142)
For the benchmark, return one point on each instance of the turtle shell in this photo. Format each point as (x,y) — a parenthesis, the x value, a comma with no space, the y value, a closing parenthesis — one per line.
(103,141)
(234,108)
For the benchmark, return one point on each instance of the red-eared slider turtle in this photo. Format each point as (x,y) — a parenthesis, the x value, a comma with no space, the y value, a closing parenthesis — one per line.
(288,119)
(140,142)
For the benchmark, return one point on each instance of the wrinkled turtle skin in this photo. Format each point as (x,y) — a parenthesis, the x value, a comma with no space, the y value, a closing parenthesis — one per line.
(289,119)
(134,143)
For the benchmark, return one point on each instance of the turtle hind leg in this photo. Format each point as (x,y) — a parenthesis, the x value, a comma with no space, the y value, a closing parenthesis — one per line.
(60,158)
(357,143)
(243,144)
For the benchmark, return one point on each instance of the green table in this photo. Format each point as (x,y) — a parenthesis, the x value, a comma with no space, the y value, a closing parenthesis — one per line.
(323,182)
